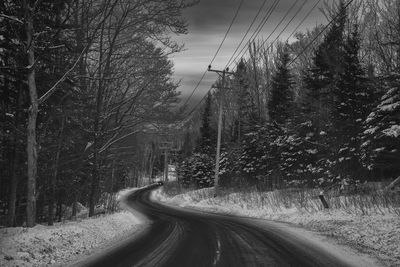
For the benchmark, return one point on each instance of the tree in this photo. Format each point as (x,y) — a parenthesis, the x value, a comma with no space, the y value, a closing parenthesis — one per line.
(248,116)
(381,145)
(322,77)
(352,96)
(280,104)
(205,143)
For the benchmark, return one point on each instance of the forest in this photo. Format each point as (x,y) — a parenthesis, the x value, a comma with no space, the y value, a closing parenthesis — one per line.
(320,109)
(83,84)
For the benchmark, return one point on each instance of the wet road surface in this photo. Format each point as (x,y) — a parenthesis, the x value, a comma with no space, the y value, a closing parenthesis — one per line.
(178,237)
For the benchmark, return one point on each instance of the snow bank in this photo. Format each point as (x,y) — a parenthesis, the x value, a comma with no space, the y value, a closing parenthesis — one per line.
(376,235)
(64,242)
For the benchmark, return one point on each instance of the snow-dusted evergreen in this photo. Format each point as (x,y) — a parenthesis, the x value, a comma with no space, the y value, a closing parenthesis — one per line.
(381,136)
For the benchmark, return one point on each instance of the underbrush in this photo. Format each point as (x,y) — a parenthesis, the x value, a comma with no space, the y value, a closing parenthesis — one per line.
(359,202)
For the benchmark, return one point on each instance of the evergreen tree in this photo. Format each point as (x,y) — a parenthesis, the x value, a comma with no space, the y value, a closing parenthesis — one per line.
(321,78)
(198,169)
(247,112)
(205,142)
(187,147)
(352,104)
(318,100)
(381,137)
(281,100)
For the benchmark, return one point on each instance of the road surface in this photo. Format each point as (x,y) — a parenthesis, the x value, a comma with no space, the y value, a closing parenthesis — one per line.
(178,237)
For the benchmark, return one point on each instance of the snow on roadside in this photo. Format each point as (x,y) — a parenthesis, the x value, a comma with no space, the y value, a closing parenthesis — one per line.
(64,242)
(376,235)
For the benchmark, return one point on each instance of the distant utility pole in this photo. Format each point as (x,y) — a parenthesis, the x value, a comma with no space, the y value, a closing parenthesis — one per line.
(222,73)
(166,146)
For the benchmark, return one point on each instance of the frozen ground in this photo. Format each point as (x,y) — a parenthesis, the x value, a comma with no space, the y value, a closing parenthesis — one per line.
(64,242)
(375,235)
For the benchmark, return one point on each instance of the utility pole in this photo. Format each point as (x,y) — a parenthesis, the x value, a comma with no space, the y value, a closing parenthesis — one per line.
(166,165)
(223,75)
(166,146)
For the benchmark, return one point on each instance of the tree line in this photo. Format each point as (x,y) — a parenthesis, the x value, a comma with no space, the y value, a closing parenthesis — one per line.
(318,111)
(80,80)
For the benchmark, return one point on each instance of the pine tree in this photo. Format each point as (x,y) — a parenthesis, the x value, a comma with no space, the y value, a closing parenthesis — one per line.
(281,100)
(205,142)
(324,74)
(317,102)
(352,103)
(247,111)
(381,137)
(187,147)
(198,169)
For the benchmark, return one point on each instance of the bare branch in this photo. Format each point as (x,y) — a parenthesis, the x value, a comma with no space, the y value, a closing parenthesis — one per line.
(62,79)
(11,18)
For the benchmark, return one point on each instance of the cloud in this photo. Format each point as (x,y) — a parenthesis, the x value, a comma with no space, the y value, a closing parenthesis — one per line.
(208,22)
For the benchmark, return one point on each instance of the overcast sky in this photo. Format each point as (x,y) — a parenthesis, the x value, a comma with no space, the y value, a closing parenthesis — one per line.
(208,22)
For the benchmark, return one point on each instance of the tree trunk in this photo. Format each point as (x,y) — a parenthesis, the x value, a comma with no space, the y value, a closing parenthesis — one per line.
(13,189)
(59,209)
(53,179)
(96,146)
(32,116)
(75,204)
(14,177)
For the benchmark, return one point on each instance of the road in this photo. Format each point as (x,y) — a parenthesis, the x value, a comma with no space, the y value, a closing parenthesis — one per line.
(178,237)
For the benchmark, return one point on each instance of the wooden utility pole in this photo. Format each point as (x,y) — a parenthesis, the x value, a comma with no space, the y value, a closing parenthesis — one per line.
(217,156)
(166,165)
(166,146)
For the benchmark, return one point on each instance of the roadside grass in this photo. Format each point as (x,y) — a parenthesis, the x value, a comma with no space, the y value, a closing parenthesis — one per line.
(361,201)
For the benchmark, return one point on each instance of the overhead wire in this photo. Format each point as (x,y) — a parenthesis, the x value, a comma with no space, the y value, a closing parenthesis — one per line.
(216,53)
(248,29)
(304,19)
(273,31)
(258,29)
(286,26)
(319,34)
(252,37)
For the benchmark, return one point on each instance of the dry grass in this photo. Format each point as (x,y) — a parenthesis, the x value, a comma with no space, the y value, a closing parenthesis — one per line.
(360,202)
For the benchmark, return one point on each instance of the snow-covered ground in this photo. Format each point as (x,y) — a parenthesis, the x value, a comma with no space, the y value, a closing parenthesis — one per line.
(374,234)
(64,242)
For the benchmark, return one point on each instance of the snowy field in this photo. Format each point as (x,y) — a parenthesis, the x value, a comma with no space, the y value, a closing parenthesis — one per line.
(374,233)
(65,242)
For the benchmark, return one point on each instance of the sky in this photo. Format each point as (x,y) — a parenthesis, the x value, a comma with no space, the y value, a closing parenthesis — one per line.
(208,22)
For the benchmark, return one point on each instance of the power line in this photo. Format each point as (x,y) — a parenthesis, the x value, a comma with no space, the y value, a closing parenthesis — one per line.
(216,53)
(258,29)
(299,25)
(304,19)
(195,88)
(255,33)
(287,25)
(315,38)
(226,34)
(248,30)
(252,37)
(276,27)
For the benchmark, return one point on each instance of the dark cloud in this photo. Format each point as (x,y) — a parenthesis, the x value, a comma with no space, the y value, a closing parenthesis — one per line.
(208,22)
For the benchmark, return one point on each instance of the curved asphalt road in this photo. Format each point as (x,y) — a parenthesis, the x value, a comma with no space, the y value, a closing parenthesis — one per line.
(188,238)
